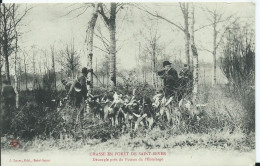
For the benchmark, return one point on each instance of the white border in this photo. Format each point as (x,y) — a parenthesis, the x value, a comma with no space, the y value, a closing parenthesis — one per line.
(257,41)
(257,62)
(78,1)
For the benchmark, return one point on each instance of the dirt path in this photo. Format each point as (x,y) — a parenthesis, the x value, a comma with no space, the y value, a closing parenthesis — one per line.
(178,157)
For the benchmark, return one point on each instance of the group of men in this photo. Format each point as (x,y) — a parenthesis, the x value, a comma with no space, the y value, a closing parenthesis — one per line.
(176,85)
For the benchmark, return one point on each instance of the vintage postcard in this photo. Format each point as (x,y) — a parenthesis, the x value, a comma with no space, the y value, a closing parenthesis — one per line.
(127,83)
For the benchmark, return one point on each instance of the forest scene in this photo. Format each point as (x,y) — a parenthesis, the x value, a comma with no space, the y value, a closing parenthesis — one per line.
(94,77)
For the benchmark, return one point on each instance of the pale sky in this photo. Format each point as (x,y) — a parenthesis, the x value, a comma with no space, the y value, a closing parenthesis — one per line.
(47,25)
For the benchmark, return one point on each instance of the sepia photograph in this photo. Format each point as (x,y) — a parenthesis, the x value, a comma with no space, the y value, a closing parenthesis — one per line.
(128,83)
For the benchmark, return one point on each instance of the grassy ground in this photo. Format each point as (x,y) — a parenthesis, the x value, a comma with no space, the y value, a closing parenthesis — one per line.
(220,137)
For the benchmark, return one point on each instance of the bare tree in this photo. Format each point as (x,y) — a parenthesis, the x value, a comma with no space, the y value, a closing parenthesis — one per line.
(215,18)
(15,59)
(152,50)
(34,68)
(195,58)
(90,34)
(185,11)
(25,70)
(69,59)
(110,22)
(1,51)
(8,36)
(53,66)
(184,8)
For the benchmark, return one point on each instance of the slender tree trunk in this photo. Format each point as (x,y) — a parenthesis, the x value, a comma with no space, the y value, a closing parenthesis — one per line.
(53,68)
(20,76)
(5,44)
(34,72)
(186,31)
(153,67)
(72,74)
(15,62)
(25,73)
(145,72)
(1,65)
(96,72)
(90,31)
(7,72)
(192,37)
(195,60)
(214,51)
(112,49)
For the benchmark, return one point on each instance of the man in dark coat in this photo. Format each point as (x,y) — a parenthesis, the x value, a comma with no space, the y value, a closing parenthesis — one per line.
(8,95)
(7,106)
(79,87)
(186,79)
(170,79)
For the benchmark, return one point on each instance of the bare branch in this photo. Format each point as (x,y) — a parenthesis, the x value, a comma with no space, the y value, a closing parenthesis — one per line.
(102,13)
(82,12)
(159,16)
(227,28)
(78,8)
(106,45)
(101,49)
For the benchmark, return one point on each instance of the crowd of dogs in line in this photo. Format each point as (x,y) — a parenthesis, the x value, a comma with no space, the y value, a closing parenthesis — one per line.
(132,112)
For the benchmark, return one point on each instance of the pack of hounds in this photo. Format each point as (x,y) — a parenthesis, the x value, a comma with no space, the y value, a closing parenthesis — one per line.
(132,111)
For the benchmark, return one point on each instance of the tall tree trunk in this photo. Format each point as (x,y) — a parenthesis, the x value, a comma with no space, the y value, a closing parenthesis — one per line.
(192,38)
(25,73)
(214,51)
(153,66)
(1,81)
(34,71)
(53,68)
(90,31)
(7,72)
(1,65)
(112,49)
(5,45)
(186,31)
(195,60)
(15,61)
(20,76)
(96,72)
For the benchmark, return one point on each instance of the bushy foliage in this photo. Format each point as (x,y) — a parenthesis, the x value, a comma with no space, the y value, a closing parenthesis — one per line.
(238,65)
(33,120)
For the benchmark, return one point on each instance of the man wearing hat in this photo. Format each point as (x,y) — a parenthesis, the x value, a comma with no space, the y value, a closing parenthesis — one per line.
(80,87)
(170,78)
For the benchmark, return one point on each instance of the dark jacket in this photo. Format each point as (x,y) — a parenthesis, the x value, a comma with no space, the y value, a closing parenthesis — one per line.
(170,80)
(82,80)
(8,92)
(186,73)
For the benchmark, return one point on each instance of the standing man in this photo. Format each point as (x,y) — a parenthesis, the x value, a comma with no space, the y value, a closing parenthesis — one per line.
(8,105)
(186,80)
(8,95)
(170,78)
(79,87)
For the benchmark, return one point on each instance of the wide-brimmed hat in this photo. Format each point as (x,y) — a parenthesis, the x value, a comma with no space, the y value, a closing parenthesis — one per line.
(166,63)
